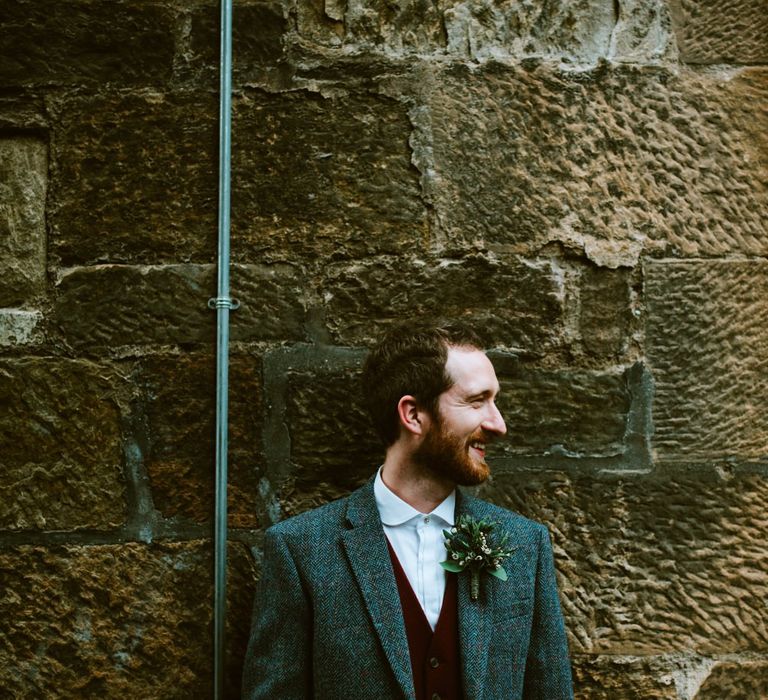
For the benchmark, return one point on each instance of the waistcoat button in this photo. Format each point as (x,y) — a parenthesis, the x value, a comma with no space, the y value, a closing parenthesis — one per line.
(433,662)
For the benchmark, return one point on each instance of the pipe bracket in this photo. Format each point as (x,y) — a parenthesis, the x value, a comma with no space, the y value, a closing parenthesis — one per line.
(223,303)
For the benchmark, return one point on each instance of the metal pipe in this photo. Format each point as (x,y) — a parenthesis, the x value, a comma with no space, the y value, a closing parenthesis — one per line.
(223,304)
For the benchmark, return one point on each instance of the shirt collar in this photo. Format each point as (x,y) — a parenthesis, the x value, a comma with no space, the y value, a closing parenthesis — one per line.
(393,510)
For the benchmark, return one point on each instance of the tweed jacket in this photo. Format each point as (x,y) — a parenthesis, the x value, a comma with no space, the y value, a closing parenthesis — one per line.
(328,624)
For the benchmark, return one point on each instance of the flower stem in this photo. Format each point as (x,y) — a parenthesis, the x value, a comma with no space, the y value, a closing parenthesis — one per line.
(475,585)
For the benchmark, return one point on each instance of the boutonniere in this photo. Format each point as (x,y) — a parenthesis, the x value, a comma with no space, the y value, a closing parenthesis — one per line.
(473,545)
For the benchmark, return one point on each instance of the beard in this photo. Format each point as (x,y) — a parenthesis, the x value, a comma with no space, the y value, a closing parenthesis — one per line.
(446,455)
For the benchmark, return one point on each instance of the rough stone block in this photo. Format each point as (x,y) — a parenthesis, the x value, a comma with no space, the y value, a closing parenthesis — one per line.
(60,446)
(707,347)
(334,448)
(733,31)
(604,311)
(575,413)
(668,562)
(134,177)
(610,162)
(511,303)
(106,306)
(258,33)
(179,402)
(316,176)
(643,32)
(622,678)
(55,42)
(736,679)
(117,621)
(23,182)
(18,327)
(578,30)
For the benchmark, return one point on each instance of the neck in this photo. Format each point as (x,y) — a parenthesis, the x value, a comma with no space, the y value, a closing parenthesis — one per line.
(418,487)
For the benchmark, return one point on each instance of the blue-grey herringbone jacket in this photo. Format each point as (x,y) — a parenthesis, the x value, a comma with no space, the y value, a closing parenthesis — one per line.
(327,620)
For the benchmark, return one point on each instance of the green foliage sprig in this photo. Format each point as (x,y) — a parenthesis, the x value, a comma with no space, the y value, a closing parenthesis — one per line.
(473,546)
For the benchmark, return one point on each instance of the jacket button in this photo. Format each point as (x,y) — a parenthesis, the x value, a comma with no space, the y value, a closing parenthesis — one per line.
(433,662)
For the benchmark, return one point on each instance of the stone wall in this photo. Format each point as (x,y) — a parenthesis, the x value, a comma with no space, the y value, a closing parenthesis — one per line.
(586,180)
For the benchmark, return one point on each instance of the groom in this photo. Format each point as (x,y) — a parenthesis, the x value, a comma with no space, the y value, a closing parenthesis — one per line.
(353,602)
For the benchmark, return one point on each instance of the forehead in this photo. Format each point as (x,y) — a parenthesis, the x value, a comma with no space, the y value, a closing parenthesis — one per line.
(471,371)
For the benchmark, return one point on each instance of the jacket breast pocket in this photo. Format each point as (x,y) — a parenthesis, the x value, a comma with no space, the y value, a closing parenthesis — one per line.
(513,612)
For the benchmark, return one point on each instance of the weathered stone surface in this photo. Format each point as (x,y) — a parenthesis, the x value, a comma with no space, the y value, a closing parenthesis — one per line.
(578,30)
(576,413)
(19,327)
(59,446)
(55,42)
(604,311)
(707,347)
(179,402)
(622,678)
(738,679)
(23,182)
(105,306)
(729,31)
(512,303)
(133,177)
(333,446)
(316,176)
(653,564)
(643,32)
(611,162)
(258,33)
(117,621)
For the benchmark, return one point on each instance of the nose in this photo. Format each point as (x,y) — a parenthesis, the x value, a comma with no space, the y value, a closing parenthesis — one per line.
(494,423)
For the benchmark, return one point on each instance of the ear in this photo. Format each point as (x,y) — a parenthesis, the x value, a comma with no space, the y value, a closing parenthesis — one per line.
(412,417)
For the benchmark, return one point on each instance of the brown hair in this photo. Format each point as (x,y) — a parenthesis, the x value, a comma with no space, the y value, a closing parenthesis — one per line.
(410,359)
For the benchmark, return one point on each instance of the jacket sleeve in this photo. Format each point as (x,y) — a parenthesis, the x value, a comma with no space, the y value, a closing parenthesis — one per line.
(278,663)
(548,666)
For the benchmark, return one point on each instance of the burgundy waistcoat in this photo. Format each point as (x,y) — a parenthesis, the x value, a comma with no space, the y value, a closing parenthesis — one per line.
(434,655)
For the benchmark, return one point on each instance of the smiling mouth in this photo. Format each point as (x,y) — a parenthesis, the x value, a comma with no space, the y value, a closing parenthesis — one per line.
(478,447)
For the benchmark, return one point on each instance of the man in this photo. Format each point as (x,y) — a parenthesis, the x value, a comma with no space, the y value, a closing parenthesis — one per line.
(353,601)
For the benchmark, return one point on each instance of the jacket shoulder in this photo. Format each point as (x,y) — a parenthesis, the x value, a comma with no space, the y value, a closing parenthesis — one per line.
(518,526)
(312,522)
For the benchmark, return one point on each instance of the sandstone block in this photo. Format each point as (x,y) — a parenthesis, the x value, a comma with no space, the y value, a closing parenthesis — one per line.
(721,32)
(611,162)
(134,177)
(23,183)
(18,327)
(576,413)
(105,306)
(643,32)
(316,176)
(604,312)
(60,446)
(622,678)
(46,42)
(708,347)
(179,403)
(258,33)
(334,448)
(511,303)
(740,679)
(578,30)
(668,562)
(117,621)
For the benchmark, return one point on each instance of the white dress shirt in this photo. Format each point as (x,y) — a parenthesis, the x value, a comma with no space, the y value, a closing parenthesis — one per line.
(419,543)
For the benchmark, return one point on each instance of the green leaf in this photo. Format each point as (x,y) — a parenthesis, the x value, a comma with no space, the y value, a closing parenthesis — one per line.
(499,573)
(451,566)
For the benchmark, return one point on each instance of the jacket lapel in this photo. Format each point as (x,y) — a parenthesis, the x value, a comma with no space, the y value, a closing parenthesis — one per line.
(474,618)
(366,549)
